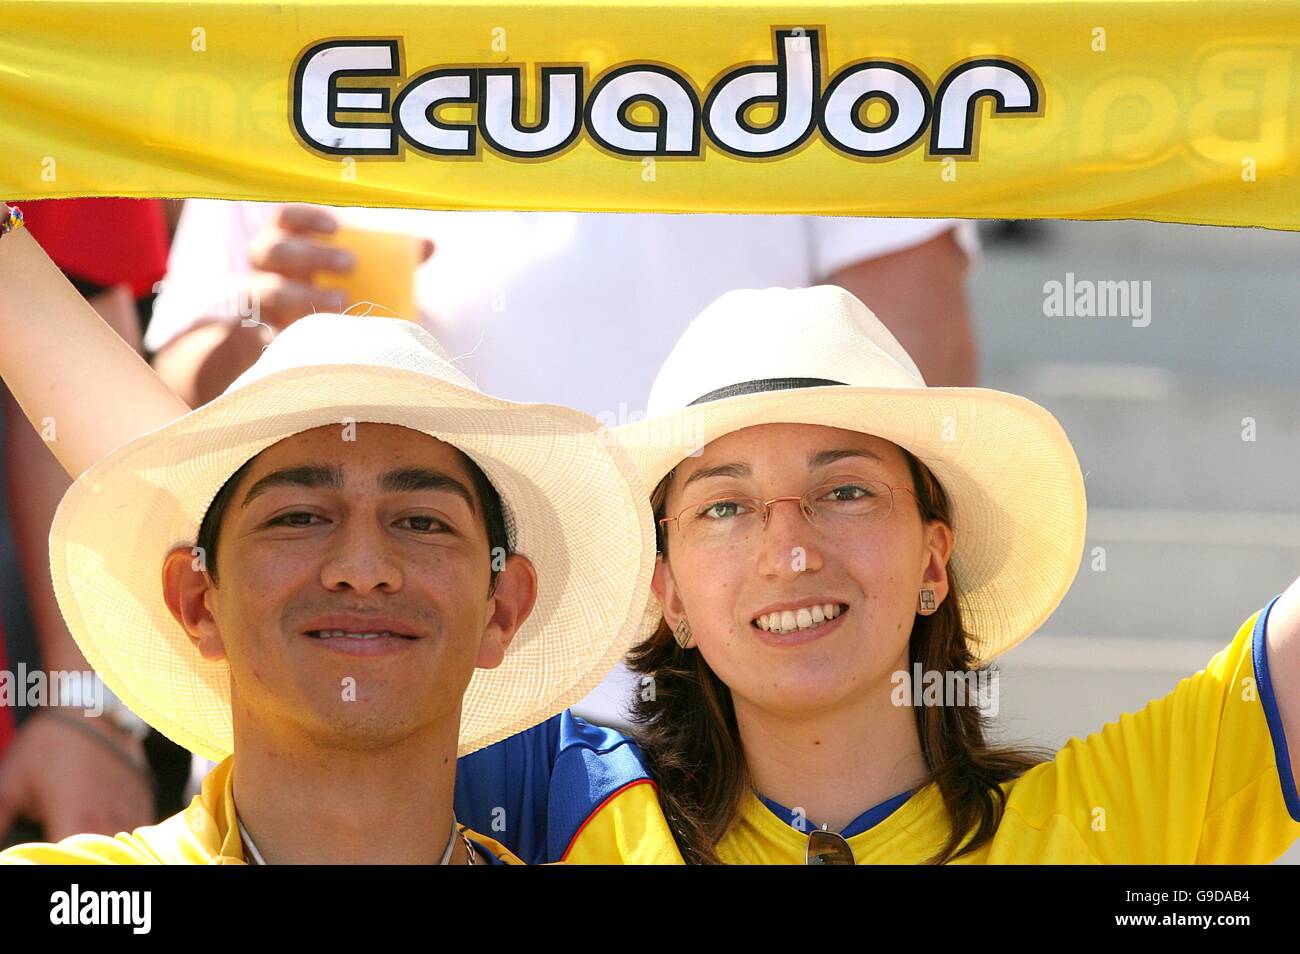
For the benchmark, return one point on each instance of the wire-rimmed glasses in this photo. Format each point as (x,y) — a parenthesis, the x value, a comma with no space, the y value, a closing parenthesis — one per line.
(835,504)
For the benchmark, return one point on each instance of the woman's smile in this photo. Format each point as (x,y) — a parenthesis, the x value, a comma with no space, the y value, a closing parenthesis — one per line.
(795,624)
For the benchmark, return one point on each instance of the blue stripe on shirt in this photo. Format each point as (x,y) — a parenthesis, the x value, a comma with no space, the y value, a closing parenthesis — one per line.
(1271,713)
(533,791)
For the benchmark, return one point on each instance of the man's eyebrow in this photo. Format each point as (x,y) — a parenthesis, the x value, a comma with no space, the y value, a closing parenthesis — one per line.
(822,458)
(330,476)
(409,479)
(736,469)
(314,476)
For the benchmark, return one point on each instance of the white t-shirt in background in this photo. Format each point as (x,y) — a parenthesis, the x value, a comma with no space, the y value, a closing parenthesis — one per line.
(569,308)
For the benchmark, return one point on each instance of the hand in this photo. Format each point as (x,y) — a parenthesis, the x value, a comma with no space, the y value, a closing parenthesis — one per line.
(286,254)
(57,775)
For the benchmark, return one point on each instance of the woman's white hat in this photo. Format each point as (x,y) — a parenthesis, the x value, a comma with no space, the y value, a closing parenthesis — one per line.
(819,356)
(573,505)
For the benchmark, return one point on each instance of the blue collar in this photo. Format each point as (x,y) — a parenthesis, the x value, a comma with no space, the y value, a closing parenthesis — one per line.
(868,819)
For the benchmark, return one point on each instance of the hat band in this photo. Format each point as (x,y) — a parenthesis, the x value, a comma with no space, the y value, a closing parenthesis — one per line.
(764,384)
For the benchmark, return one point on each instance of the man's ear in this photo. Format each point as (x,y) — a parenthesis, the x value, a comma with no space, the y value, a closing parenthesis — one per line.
(665,587)
(188,591)
(509,606)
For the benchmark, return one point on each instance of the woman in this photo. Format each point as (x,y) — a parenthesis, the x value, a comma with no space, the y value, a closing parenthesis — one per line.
(775,454)
(788,684)
(832,533)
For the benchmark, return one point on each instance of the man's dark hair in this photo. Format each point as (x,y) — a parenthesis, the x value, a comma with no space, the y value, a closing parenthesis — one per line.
(489,500)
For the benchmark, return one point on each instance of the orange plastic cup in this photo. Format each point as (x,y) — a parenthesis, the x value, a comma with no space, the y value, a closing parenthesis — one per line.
(384,273)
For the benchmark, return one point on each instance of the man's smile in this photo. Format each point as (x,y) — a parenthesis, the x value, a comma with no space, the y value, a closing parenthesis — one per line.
(361,635)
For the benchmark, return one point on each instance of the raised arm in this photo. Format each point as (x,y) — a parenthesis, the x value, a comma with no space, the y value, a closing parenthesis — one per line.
(1283,641)
(75,379)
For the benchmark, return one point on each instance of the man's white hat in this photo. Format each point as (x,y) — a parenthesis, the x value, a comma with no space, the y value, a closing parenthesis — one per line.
(819,356)
(573,505)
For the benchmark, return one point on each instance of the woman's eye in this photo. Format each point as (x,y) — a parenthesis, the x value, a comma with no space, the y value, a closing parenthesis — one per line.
(850,492)
(721,510)
(845,493)
(295,519)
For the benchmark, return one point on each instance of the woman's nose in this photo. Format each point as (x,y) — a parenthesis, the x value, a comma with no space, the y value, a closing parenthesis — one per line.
(789,543)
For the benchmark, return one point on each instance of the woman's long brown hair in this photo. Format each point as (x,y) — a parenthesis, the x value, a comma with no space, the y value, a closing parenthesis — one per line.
(687,726)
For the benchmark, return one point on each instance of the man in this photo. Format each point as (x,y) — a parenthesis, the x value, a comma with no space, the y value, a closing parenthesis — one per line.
(332,576)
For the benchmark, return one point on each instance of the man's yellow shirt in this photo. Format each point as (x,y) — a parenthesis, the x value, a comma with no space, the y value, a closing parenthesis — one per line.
(205,833)
(1200,776)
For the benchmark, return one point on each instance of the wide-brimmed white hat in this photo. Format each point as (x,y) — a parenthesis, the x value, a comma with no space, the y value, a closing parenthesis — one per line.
(573,505)
(819,356)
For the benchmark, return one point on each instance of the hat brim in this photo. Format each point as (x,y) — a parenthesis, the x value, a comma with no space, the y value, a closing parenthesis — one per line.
(573,503)
(1011,475)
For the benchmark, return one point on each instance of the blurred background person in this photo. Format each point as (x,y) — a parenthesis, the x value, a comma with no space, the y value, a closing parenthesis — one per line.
(570,308)
(67,771)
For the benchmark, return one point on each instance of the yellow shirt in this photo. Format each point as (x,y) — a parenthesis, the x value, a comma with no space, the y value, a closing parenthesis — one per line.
(205,833)
(1201,776)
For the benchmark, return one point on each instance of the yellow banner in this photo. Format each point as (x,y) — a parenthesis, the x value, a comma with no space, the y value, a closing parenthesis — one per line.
(1172,110)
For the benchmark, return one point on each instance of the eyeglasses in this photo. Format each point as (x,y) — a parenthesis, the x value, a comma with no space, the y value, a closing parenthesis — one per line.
(828,848)
(836,504)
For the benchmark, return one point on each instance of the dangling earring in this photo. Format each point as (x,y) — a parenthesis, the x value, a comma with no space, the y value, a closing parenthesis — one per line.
(927,600)
(683,633)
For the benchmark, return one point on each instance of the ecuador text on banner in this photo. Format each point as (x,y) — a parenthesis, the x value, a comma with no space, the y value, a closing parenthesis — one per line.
(1168,109)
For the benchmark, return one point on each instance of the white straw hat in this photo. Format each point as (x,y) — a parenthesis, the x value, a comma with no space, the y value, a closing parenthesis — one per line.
(819,356)
(573,504)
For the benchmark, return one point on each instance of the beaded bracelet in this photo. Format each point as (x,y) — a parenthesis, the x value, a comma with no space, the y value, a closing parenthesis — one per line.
(13,218)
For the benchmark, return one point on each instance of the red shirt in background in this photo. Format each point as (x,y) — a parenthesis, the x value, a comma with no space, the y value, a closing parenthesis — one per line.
(105,241)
